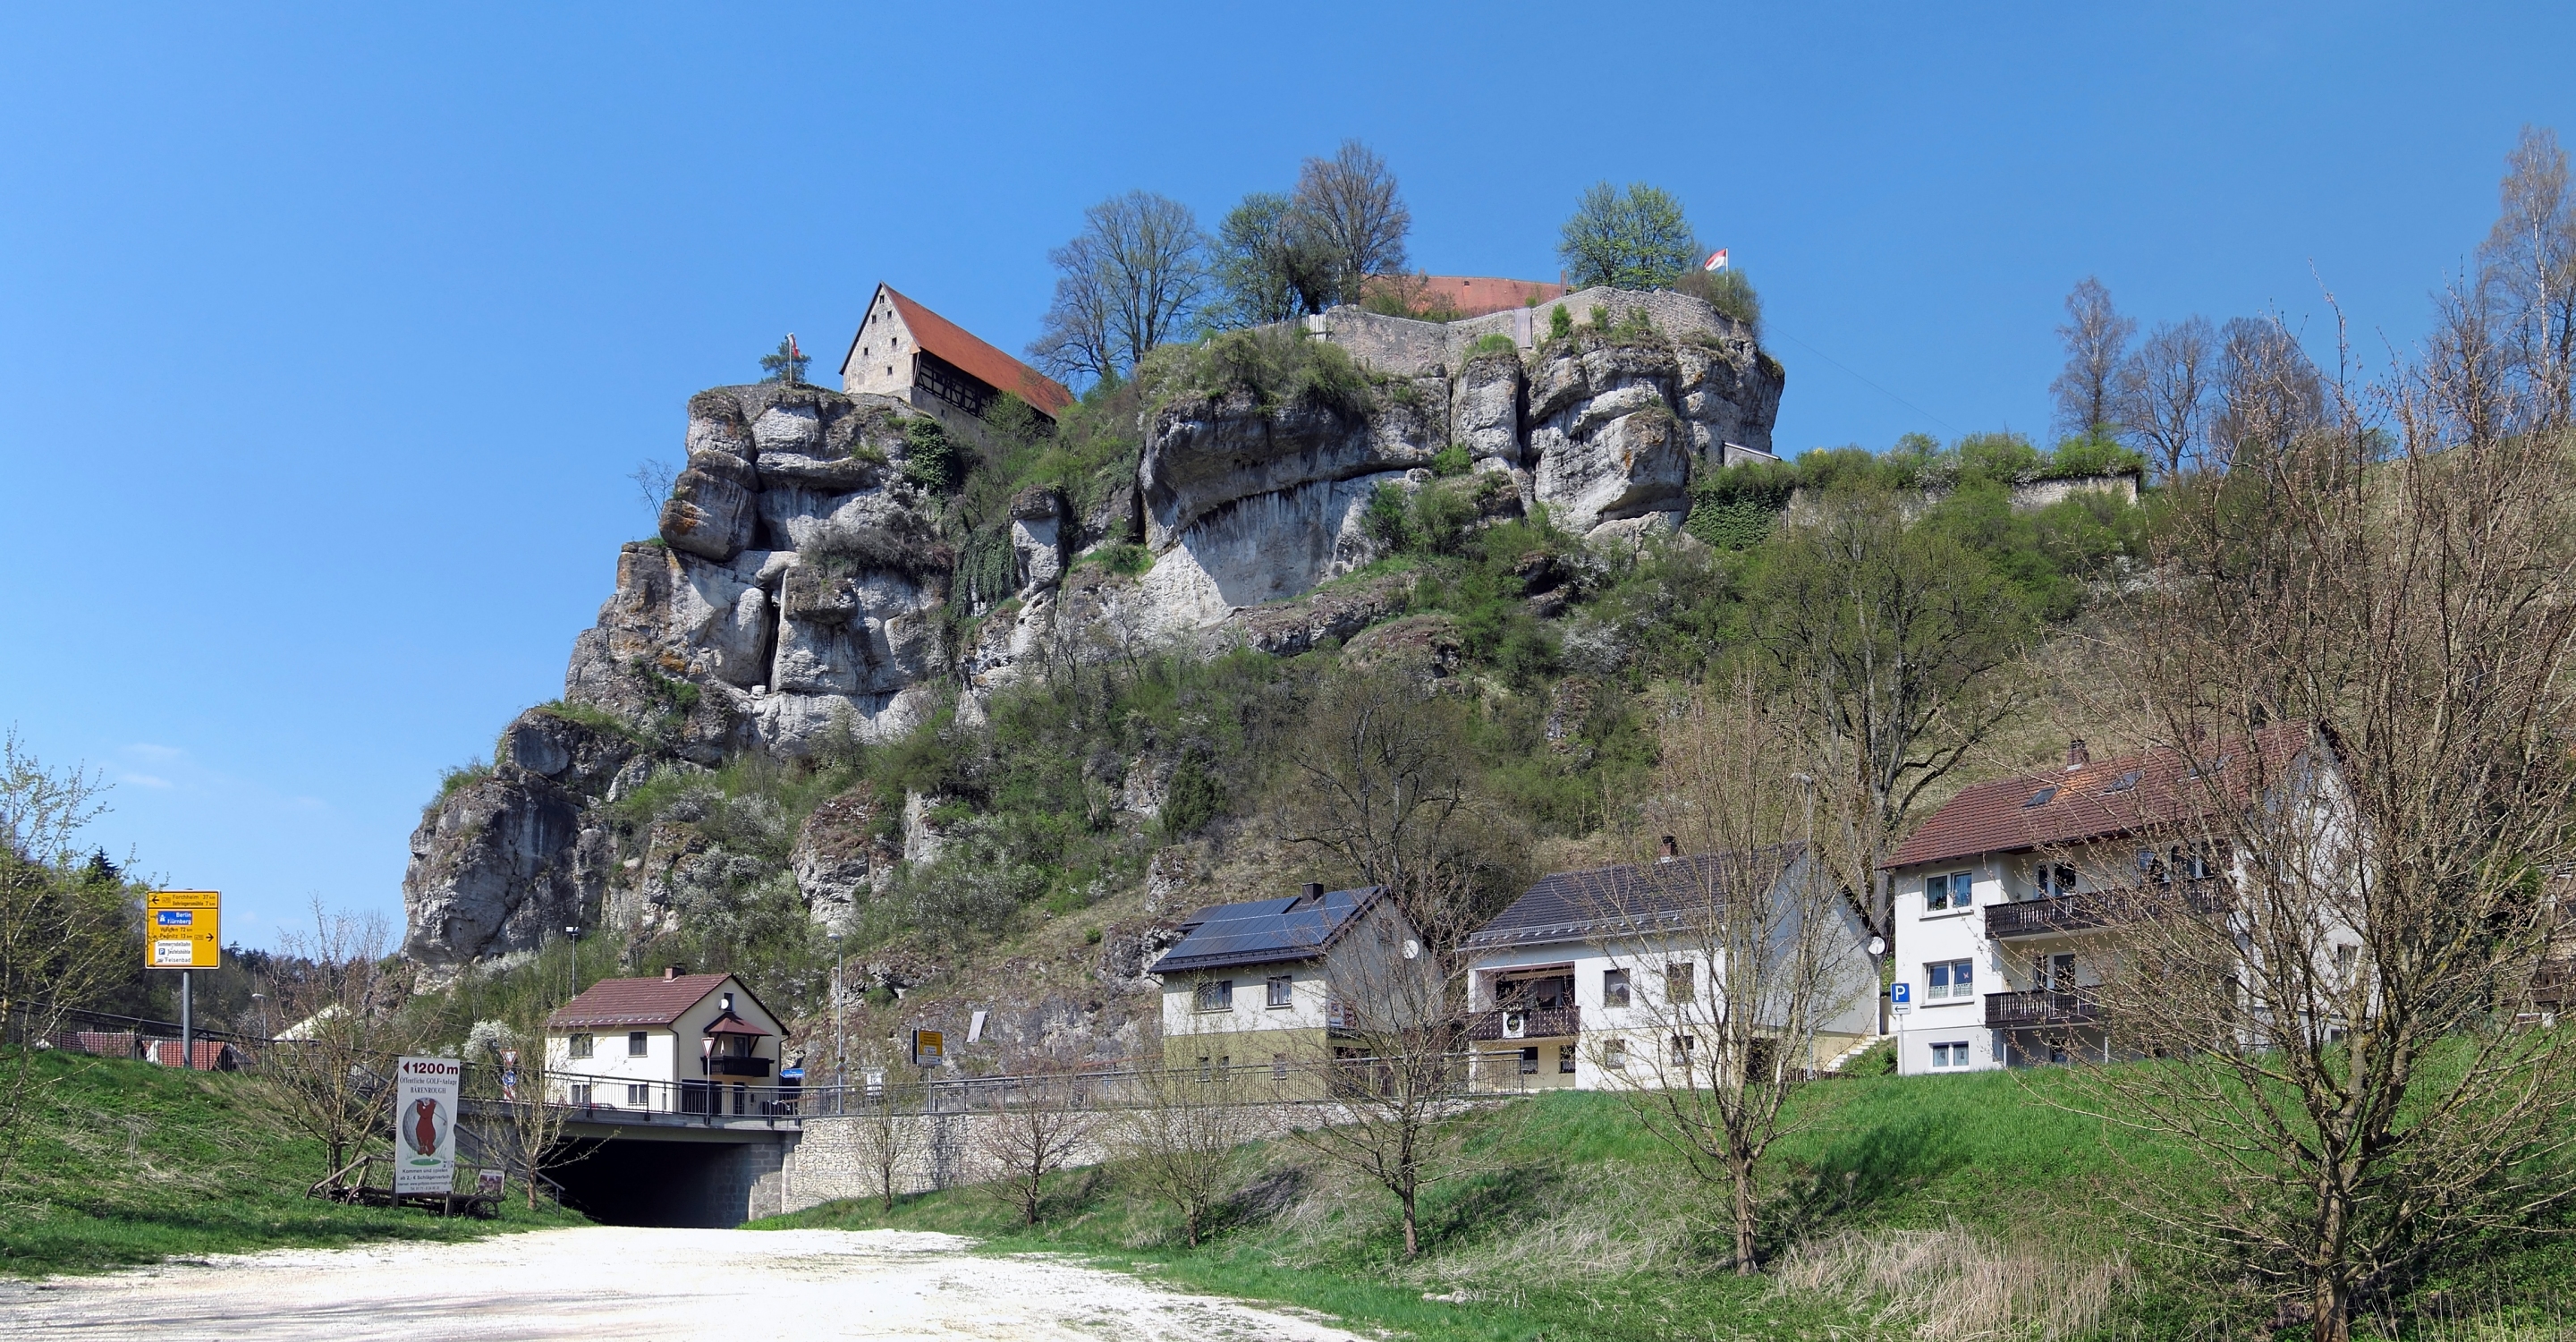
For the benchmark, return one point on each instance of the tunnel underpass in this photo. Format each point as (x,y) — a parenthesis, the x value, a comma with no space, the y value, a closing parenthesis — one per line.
(663,1180)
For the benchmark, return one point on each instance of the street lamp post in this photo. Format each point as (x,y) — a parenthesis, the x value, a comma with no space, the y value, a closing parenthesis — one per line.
(840,1059)
(572,957)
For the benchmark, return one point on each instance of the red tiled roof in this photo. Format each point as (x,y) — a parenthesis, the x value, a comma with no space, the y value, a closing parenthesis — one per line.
(2096,800)
(648,1001)
(948,340)
(1477,295)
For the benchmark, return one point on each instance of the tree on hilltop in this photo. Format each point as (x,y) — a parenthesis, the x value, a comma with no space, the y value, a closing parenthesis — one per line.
(1282,255)
(785,364)
(1632,238)
(1131,280)
(2096,337)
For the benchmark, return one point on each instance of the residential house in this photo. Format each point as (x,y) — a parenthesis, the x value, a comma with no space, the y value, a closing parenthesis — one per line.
(909,352)
(2008,899)
(1588,968)
(1262,988)
(680,1043)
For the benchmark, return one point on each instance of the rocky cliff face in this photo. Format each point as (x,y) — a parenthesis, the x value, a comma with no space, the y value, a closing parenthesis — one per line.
(803,588)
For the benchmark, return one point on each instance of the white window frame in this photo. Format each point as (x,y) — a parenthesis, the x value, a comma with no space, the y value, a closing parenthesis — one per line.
(1955,1051)
(1616,990)
(639,1095)
(581,1092)
(1213,996)
(1958,892)
(578,1046)
(639,1043)
(1949,988)
(1282,990)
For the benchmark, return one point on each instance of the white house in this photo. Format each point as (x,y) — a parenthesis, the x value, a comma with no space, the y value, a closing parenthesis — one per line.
(909,352)
(1269,984)
(2006,899)
(679,1043)
(1588,968)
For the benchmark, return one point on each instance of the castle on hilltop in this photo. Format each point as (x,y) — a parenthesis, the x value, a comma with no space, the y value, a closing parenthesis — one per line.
(908,352)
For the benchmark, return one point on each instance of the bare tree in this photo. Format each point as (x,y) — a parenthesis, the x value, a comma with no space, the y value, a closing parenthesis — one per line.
(2096,337)
(1379,780)
(1030,1130)
(2346,1012)
(327,1071)
(1351,203)
(521,1120)
(1388,1064)
(1180,1140)
(1130,281)
(2527,266)
(1743,959)
(67,928)
(2164,390)
(1896,645)
(886,1137)
(2268,391)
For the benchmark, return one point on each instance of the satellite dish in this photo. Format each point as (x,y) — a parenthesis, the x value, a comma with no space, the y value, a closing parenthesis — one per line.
(1878,945)
(1412,949)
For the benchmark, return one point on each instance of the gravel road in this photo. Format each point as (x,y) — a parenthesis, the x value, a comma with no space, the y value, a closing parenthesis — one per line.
(616,1282)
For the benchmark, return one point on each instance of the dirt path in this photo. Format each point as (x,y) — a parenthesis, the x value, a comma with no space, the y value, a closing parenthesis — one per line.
(615,1282)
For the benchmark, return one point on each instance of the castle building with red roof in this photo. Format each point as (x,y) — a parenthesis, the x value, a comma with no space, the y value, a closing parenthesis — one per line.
(905,350)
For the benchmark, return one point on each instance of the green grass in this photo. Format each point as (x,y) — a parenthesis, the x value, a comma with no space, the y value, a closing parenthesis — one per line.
(1576,1223)
(125,1163)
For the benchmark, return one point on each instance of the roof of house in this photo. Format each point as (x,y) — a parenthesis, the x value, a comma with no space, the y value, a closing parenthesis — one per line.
(730,1023)
(2098,799)
(1267,931)
(645,1001)
(1631,897)
(1477,295)
(939,336)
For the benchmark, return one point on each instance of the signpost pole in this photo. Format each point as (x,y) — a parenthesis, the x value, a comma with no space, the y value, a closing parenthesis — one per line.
(187,1058)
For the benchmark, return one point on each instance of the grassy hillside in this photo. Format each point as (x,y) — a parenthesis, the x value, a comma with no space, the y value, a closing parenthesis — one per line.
(126,1163)
(1972,1206)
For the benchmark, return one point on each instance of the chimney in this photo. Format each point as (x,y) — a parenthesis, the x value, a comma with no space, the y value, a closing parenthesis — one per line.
(2076,755)
(1313,893)
(670,972)
(1668,851)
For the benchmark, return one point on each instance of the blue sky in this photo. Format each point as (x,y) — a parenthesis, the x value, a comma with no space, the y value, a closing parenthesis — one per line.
(330,335)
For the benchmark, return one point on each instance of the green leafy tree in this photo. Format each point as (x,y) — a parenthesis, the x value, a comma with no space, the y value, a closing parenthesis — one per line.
(785,364)
(1271,264)
(1632,238)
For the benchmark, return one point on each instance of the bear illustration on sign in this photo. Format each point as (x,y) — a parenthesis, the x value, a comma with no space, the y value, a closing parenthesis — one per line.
(422,1132)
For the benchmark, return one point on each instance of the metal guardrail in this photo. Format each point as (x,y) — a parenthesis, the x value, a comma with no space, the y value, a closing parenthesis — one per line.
(2027,1010)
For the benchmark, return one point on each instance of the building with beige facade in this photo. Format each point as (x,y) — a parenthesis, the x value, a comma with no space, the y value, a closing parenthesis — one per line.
(906,351)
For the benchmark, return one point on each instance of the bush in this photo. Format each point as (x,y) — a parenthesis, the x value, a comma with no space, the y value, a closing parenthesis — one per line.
(1728,291)
(1560,323)
(2077,458)
(1191,798)
(1275,366)
(1493,344)
(1452,460)
(932,461)
(1442,513)
(1387,521)
(1125,558)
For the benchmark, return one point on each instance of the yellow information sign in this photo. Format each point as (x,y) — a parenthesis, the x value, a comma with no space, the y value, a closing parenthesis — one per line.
(179,928)
(929,1048)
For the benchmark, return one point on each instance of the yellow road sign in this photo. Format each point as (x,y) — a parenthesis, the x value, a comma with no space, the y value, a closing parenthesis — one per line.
(180,927)
(929,1048)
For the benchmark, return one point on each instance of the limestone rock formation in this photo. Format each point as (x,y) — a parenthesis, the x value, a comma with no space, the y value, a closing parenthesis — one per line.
(805,591)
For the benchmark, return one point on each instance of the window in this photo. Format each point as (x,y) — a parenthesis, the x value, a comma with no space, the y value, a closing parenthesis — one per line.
(581,1091)
(1681,981)
(2126,781)
(1529,1062)
(639,1097)
(638,1043)
(1565,1060)
(1278,1066)
(1950,1055)
(1614,1053)
(1685,1047)
(1614,987)
(581,1046)
(1283,991)
(1216,995)
(1953,890)
(2053,880)
(1949,978)
(1205,1074)
(2053,973)
(2346,958)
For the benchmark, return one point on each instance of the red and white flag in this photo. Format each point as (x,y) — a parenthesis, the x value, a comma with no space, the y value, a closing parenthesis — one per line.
(1716,260)
(795,353)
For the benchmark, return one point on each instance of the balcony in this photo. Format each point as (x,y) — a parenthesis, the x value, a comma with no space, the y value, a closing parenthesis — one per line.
(738,1066)
(2090,909)
(1526,1023)
(2032,1010)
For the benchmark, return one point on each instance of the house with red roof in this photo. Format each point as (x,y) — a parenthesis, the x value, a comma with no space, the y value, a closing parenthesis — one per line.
(673,1044)
(905,350)
(2009,899)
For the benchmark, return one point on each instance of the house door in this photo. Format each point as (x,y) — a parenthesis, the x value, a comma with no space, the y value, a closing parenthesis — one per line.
(2054,973)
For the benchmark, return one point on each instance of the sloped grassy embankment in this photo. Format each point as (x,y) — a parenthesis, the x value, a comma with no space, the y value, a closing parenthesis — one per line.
(1972,1206)
(126,1163)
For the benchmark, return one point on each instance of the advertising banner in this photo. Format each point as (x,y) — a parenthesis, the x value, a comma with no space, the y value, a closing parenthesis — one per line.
(425,1124)
(180,929)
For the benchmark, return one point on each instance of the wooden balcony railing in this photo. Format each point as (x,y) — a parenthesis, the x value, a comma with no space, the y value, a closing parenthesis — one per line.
(738,1066)
(2099,908)
(1525,1023)
(2022,1011)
